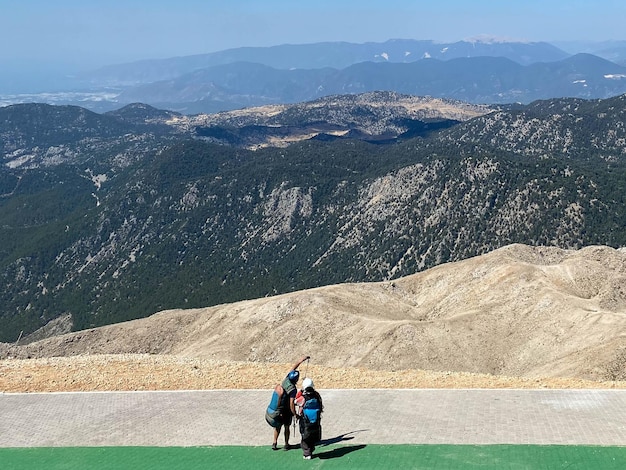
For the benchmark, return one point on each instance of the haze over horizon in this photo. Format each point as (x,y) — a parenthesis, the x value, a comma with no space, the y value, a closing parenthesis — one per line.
(119,31)
(69,36)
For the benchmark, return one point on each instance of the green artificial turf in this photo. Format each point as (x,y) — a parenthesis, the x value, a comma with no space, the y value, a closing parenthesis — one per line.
(339,456)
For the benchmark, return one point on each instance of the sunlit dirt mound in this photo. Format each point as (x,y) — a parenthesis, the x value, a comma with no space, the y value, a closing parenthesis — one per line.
(519,311)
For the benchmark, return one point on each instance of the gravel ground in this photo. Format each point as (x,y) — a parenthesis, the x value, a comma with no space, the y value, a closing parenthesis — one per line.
(163,372)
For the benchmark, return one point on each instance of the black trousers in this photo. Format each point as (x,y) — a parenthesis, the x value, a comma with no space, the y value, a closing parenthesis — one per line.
(311,435)
(307,447)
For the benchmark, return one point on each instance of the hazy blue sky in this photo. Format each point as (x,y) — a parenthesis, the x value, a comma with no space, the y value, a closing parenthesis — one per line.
(89,33)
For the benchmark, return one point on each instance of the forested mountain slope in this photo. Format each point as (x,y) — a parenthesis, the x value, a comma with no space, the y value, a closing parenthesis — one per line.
(107,220)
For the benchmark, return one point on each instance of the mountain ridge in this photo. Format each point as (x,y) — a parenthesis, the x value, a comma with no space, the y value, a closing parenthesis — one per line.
(118,227)
(105,89)
(322,55)
(517,311)
(478,80)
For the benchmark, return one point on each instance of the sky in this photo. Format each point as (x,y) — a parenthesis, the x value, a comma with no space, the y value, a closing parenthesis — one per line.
(85,34)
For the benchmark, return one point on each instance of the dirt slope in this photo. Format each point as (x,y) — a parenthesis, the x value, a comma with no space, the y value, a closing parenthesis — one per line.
(520,311)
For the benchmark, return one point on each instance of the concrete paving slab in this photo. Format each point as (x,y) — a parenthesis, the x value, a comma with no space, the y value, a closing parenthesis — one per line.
(236,417)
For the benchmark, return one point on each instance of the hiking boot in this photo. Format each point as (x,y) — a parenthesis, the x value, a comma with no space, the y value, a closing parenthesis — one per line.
(274,446)
(287,447)
(306,457)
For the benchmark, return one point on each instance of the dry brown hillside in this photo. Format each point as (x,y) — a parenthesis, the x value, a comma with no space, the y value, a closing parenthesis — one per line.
(525,312)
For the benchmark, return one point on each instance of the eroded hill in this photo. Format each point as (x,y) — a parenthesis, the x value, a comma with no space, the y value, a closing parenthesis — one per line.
(518,311)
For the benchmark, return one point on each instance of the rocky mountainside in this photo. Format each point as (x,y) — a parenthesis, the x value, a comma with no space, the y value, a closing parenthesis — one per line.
(518,311)
(374,117)
(575,129)
(108,218)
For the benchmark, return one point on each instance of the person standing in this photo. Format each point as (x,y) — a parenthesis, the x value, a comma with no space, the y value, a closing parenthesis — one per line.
(310,409)
(282,406)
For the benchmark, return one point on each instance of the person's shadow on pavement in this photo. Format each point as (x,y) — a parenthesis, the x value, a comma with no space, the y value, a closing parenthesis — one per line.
(340,438)
(338,452)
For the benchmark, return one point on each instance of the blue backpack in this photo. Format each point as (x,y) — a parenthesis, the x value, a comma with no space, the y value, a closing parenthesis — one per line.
(312,410)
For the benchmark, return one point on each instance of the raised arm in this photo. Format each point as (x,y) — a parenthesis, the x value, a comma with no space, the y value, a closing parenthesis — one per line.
(297,364)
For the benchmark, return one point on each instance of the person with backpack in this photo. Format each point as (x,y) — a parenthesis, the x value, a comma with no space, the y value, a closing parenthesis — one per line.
(282,406)
(310,409)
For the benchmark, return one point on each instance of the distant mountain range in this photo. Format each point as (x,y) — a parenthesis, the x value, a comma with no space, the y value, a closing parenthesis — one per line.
(336,55)
(474,80)
(479,71)
(615,51)
(108,217)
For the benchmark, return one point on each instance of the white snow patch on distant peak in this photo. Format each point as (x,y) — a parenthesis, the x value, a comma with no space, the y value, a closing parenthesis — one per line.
(426,55)
(615,76)
(407,53)
(444,50)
